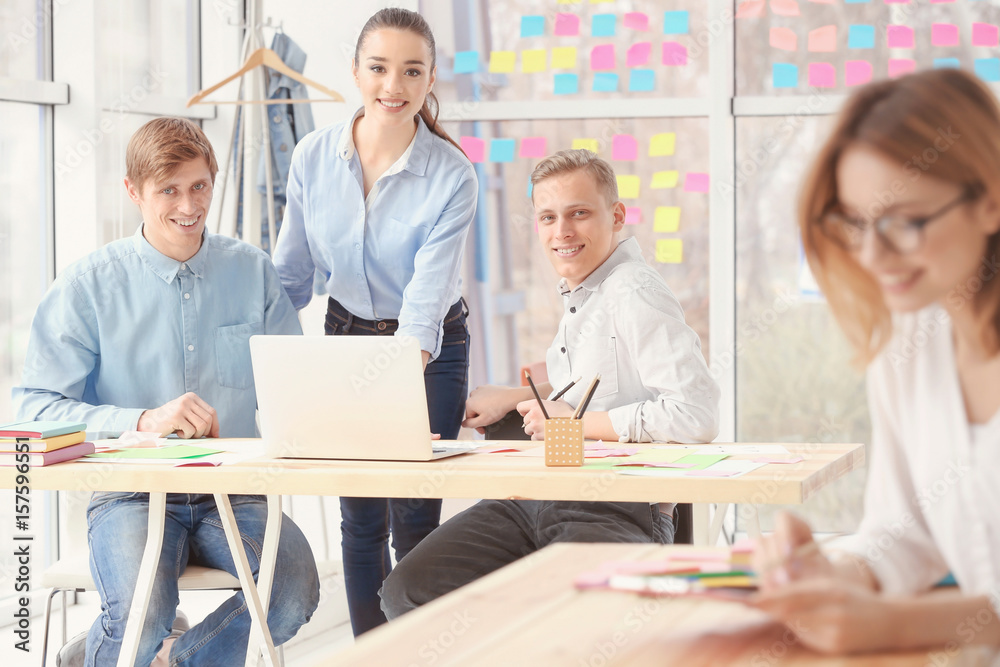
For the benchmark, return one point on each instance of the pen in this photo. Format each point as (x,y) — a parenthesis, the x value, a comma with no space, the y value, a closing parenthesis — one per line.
(566,388)
(535,392)
(586,400)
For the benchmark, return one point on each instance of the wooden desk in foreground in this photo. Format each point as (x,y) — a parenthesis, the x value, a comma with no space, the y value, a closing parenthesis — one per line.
(529,614)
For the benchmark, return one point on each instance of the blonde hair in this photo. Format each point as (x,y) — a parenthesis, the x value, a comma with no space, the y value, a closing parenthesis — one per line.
(161,145)
(944,123)
(579,159)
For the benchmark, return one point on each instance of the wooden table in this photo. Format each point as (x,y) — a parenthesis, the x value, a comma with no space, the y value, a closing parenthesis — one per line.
(529,613)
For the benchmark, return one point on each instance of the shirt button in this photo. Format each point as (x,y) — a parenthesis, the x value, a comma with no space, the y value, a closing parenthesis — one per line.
(190,348)
(184,266)
(357,246)
(563,350)
(187,296)
(572,309)
(276,118)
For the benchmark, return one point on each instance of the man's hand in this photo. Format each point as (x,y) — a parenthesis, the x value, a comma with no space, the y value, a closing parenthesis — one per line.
(534,420)
(489,403)
(188,416)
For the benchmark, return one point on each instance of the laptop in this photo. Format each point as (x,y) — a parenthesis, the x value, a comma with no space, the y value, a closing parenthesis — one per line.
(344,397)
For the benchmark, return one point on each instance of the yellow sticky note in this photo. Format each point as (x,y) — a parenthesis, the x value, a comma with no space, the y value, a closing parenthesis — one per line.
(664,179)
(502,61)
(669,251)
(564,57)
(588,144)
(533,60)
(628,187)
(667,219)
(662,144)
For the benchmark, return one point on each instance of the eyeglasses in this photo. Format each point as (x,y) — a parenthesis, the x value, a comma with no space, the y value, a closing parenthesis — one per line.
(899,233)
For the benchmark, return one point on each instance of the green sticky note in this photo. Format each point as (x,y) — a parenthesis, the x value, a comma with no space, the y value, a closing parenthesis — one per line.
(174,452)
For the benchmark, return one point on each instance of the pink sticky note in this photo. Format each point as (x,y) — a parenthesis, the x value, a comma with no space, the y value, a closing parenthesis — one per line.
(674,53)
(696,182)
(784,39)
(533,147)
(638,54)
(900,37)
(624,147)
(633,215)
(602,57)
(636,21)
(984,34)
(497,450)
(822,75)
(750,9)
(857,72)
(785,7)
(776,459)
(474,147)
(823,40)
(901,66)
(567,24)
(944,34)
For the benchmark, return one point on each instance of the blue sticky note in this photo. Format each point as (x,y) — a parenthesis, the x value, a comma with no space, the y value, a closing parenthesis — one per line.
(675,23)
(566,84)
(988,69)
(602,25)
(532,26)
(861,37)
(466,62)
(605,82)
(502,150)
(940,63)
(641,81)
(785,75)
(857,2)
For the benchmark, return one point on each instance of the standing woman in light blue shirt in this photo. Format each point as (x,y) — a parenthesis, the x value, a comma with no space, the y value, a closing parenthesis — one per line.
(381,206)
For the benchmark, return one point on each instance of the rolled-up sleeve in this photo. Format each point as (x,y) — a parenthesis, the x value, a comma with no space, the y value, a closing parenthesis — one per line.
(292,255)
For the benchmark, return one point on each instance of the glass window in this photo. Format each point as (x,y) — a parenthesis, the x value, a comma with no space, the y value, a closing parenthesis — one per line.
(118,215)
(22,36)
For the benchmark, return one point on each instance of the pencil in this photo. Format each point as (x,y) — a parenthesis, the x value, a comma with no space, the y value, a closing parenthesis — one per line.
(535,392)
(565,389)
(586,400)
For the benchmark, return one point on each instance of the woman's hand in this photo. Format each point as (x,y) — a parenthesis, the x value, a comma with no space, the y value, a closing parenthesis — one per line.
(534,420)
(789,554)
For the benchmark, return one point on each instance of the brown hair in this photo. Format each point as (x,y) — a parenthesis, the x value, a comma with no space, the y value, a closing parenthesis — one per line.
(944,123)
(161,145)
(578,159)
(394,18)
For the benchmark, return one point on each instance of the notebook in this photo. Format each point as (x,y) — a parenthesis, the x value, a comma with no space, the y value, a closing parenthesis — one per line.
(39,429)
(344,397)
(43,444)
(39,459)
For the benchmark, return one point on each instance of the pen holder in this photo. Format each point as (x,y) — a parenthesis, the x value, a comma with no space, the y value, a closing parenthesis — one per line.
(564,442)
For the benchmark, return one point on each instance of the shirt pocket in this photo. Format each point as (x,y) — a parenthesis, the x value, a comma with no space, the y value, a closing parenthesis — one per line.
(601,357)
(232,354)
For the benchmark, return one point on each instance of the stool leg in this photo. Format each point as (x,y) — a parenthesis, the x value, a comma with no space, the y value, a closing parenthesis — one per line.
(64,638)
(45,632)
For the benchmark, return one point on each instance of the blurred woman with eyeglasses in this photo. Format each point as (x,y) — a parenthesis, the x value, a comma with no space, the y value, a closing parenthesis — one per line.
(899,218)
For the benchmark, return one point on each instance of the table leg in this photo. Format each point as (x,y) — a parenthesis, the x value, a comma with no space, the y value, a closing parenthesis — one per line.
(718,520)
(753,521)
(257,615)
(144,585)
(268,558)
(699,520)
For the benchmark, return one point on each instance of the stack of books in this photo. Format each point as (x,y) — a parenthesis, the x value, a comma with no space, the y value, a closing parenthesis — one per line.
(47,442)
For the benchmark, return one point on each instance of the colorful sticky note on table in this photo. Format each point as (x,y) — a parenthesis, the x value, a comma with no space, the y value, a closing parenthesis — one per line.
(641,80)
(822,75)
(586,144)
(674,53)
(566,84)
(636,21)
(785,7)
(628,186)
(901,66)
(605,82)
(669,251)
(784,75)
(502,61)
(988,69)
(823,40)
(662,144)
(603,25)
(624,147)
(985,34)
(667,219)
(602,57)
(474,148)
(533,147)
(664,179)
(784,39)
(638,54)
(466,62)
(633,215)
(567,24)
(900,37)
(532,26)
(696,182)
(564,57)
(944,34)
(676,23)
(502,150)
(861,37)
(857,72)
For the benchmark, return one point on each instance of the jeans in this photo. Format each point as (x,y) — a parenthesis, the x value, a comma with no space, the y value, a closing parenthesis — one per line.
(193,534)
(367,522)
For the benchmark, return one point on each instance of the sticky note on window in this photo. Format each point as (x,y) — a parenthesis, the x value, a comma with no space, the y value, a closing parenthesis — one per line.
(822,75)
(641,81)
(676,23)
(784,75)
(638,54)
(474,148)
(567,24)
(750,9)
(502,61)
(636,21)
(663,180)
(532,26)
(603,25)
(696,182)
(675,54)
(667,219)
(502,150)
(633,215)
(586,144)
(784,39)
(533,60)
(566,84)
(669,251)
(944,63)
(857,72)
(900,37)
(533,147)
(605,82)
(901,66)
(861,37)
(944,34)
(785,7)
(628,186)
(624,147)
(823,40)
(984,34)
(602,57)
(662,144)
(988,69)
(564,57)
(466,62)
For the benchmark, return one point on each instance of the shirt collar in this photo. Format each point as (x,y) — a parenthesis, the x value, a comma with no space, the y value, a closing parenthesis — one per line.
(626,251)
(166,268)
(414,159)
